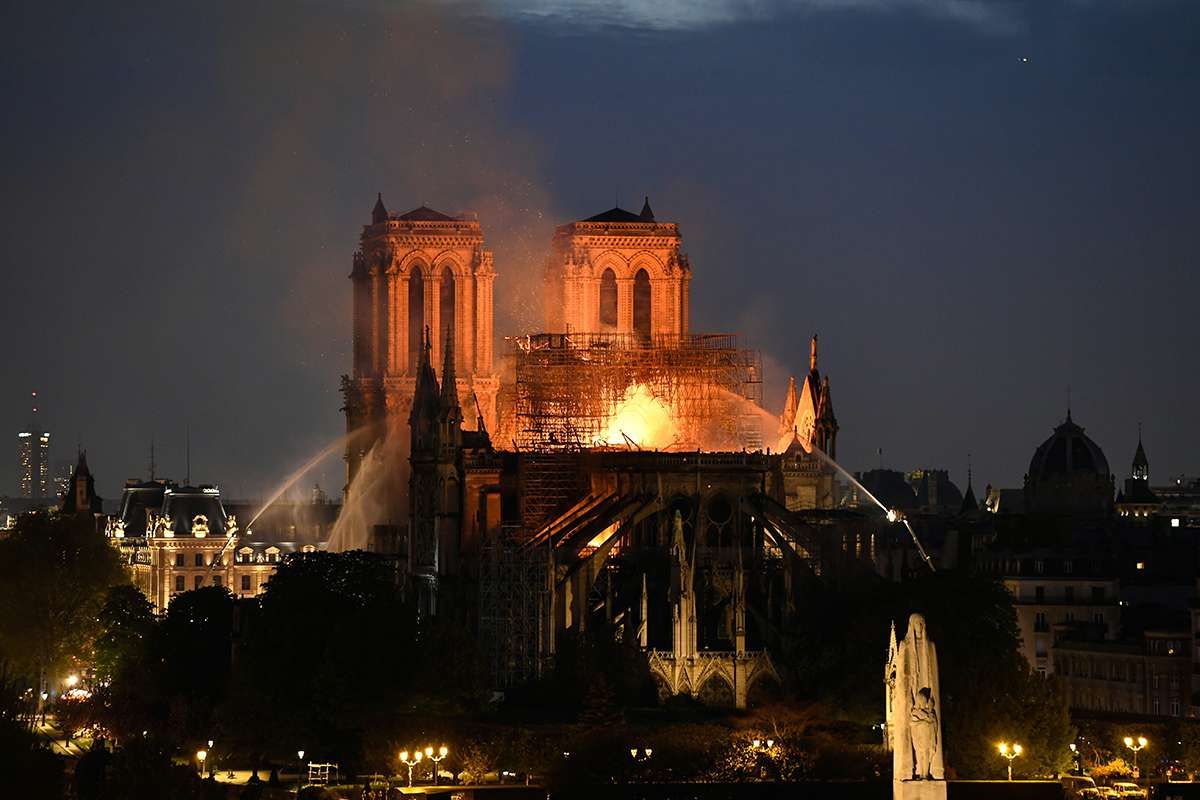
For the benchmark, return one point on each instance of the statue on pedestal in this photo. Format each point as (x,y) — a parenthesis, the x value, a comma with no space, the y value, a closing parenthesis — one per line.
(914,700)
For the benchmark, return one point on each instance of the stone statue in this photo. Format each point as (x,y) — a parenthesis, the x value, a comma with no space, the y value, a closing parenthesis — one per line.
(917,712)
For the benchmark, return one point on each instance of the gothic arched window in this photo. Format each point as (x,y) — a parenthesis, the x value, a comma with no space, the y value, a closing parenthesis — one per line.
(641,303)
(446,302)
(608,299)
(416,316)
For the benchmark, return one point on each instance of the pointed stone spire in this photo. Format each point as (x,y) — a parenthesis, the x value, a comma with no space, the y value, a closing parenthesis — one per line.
(1141,464)
(647,214)
(969,503)
(425,395)
(812,356)
(449,397)
(787,420)
(379,212)
(644,619)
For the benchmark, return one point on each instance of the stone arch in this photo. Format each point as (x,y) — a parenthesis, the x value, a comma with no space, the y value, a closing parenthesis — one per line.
(648,262)
(448,305)
(416,315)
(414,263)
(717,691)
(642,304)
(763,690)
(608,299)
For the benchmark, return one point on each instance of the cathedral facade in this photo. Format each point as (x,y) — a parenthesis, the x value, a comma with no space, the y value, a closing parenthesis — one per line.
(618,272)
(422,276)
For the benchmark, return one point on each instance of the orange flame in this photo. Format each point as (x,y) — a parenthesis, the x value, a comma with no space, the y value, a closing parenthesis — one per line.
(642,417)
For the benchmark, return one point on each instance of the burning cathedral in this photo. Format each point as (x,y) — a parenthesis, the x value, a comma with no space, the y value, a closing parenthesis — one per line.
(615,470)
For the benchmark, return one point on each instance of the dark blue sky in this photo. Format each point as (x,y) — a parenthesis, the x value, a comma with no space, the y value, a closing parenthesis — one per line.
(968,231)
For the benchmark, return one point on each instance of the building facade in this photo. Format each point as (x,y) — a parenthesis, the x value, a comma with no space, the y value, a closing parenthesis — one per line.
(419,278)
(618,272)
(175,539)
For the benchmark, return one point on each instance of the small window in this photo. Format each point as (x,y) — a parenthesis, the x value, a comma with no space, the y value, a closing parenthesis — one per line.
(1068,566)
(1039,566)
(1069,593)
(179,583)
(1174,708)
(179,559)
(199,559)
(1039,593)
(245,583)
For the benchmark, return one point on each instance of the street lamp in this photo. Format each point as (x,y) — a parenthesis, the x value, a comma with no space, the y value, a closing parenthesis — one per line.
(441,753)
(72,681)
(641,755)
(416,759)
(299,770)
(200,756)
(1009,752)
(1135,745)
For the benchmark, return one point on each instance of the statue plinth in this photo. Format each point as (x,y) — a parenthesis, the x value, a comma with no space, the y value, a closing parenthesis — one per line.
(918,790)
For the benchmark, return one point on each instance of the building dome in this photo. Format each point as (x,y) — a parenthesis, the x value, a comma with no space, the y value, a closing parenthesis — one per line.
(1068,451)
(1069,474)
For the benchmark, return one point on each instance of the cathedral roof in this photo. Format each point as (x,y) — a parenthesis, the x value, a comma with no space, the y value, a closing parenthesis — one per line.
(1068,451)
(618,214)
(425,214)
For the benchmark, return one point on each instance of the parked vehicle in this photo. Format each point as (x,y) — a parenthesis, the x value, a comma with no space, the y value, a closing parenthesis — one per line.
(1108,792)
(1130,790)
(1074,784)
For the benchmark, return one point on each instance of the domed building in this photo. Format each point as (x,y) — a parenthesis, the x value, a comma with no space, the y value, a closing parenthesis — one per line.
(1069,475)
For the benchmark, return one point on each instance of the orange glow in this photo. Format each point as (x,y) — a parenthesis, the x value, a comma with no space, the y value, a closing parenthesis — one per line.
(642,417)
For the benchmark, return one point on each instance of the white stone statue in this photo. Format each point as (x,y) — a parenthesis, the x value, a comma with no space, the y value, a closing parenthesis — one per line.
(917,712)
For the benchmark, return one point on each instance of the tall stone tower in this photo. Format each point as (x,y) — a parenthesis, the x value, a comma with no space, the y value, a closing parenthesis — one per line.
(618,272)
(413,271)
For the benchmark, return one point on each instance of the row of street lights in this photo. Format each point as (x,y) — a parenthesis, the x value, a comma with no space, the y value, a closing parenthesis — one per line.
(1011,751)
(418,755)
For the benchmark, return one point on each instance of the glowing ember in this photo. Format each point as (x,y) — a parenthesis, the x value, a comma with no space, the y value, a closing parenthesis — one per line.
(643,418)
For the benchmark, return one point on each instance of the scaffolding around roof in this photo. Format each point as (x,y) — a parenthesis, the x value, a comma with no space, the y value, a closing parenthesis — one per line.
(568,385)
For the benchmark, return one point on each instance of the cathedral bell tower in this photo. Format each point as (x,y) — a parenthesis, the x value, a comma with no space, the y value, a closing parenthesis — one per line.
(413,271)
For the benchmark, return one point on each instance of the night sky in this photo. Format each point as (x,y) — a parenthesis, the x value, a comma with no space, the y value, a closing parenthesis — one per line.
(976,204)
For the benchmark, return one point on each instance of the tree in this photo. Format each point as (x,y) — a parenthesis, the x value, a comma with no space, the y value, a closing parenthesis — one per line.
(55,572)
(126,626)
(195,651)
(329,654)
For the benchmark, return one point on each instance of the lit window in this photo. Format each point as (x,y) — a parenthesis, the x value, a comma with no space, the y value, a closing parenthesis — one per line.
(1141,565)
(1174,522)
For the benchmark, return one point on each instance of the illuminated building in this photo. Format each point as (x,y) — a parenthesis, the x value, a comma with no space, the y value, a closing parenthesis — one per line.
(618,434)
(413,272)
(618,272)
(33,459)
(176,538)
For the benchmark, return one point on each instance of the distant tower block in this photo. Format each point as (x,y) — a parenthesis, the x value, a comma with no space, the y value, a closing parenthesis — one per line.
(413,271)
(618,272)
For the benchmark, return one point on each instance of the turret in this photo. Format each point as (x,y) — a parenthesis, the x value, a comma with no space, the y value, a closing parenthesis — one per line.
(379,213)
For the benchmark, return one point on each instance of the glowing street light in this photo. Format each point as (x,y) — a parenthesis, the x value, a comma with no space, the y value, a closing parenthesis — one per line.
(441,753)
(416,759)
(1010,752)
(72,681)
(1135,745)
(641,755)
(200,756)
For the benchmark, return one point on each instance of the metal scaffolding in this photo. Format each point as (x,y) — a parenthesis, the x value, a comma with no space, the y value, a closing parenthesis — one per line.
(568,385)
(513,608)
